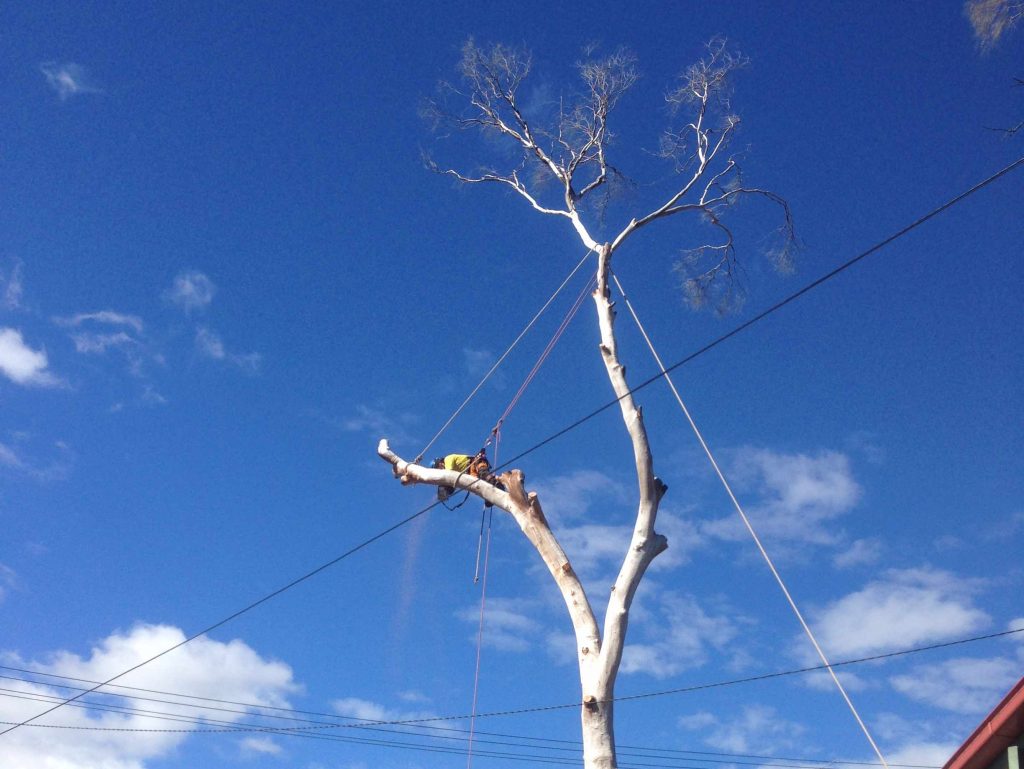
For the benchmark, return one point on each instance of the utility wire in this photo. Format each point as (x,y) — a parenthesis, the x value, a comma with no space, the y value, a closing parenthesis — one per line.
(565,706)
(703,756)
(792,297)
(240,612)
(680,759)
(501,360)
(775,307)
(746,522)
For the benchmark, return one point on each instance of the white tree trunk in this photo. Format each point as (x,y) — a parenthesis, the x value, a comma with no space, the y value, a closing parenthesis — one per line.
(598,661)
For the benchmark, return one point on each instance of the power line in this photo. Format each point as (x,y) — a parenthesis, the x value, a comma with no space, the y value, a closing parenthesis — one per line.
(757,540)
(773,308)
(240,612)
(548,708)
(504,355)
(371,725)
(777,306)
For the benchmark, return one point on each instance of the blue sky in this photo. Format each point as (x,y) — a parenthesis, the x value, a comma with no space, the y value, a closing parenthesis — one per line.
(225,274)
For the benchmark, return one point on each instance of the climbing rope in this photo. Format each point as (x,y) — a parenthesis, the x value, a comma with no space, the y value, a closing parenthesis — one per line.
(496,430)
(479,641)
(489,513)
(746,522)
(500,360)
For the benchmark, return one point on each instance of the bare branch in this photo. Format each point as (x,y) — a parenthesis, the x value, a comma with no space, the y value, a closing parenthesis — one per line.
(525,508)
(991,19)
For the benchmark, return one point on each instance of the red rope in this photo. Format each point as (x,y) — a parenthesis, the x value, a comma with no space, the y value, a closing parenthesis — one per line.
(480,632)
(543,357)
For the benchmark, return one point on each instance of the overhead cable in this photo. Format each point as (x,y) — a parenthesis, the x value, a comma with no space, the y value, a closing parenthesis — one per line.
(201,703)
(750,528)
(773,308)
(501,359)
(548,708)
(239,613)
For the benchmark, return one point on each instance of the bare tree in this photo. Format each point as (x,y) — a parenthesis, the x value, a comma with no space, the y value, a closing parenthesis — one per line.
(560,168)
(992,18)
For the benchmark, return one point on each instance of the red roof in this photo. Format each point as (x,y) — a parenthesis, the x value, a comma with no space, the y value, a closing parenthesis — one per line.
(996,733)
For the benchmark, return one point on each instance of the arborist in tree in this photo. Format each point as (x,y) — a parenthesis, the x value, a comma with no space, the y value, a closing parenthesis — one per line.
(475,465)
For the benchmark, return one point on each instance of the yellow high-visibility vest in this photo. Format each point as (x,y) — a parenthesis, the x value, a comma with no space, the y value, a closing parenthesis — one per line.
(458,462)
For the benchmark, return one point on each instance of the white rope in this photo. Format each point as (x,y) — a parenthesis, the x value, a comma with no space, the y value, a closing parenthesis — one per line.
(504,355)
(750,528)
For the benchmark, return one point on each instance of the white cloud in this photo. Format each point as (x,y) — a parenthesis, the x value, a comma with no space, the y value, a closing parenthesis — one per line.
(21,364)
(374,420)
(150,397)
(507,625)
(921,753)
(209,344)
(97,333)
(904,608)
(68,79)
(56,469)
(684,536)
(801,495)
(962,685)
(367,710)
(860,552)
(1016,624)
(593,547)
(109,317)
(568,497)
(8,579)
(9,457)
(191,290)
(11,287)
(757,729)
(259,746)
(479,362)
(675,635)
(100,343)
(414,696)
(204,667)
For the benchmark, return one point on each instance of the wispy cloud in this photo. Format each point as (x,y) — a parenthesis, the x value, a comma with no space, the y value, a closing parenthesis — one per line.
(569,497)
(904,608)
(259,746)
(510,626)
(8,580)
(96,333)
(479,362)
(921,753)
(9,458)
(757,728)
(23,365)
(677,634)
(860,552)
(962,685)
(56,468)
(367,710)
(380,424)
(68,79)
(109,317)
(191,291)
(11,286)
(210,345)
(799,495)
